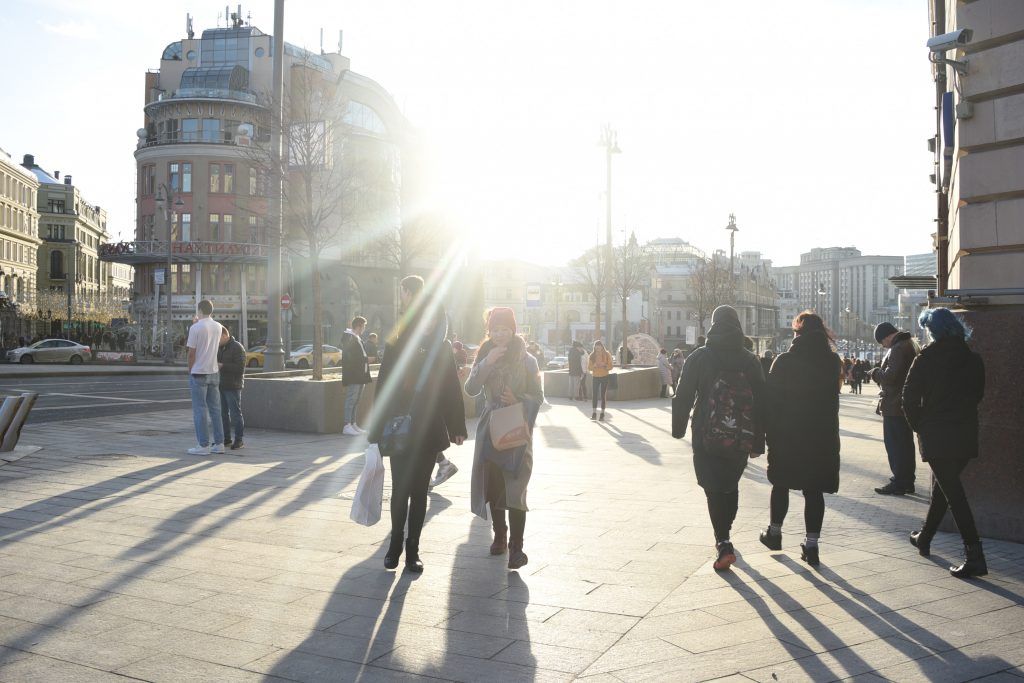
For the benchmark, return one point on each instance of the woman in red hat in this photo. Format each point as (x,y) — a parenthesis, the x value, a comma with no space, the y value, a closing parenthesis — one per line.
(506,374)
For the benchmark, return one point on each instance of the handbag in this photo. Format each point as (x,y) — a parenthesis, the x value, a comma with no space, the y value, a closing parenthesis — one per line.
(396,436)
(366,504)
(508,427)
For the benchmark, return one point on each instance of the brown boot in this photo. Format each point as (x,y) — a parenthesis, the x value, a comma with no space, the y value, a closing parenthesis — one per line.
(500,544)
(516,557)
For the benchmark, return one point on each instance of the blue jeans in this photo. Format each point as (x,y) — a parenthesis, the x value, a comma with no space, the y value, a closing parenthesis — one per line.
(899,445)
(206,406)
(231,413)
(352,394)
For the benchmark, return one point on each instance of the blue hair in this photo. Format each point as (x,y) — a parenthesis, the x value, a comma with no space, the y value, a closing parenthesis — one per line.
(942,323)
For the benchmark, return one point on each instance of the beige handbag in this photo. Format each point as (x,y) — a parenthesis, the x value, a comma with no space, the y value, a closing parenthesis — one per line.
(509,428)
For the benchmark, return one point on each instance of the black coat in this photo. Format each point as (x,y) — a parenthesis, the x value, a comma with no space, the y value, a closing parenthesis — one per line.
(232,355)
(892,374)
(940,399)
(803,416)
(438,413)
(355,367)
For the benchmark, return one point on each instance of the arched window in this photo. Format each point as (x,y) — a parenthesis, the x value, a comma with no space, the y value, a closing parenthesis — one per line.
(56,264)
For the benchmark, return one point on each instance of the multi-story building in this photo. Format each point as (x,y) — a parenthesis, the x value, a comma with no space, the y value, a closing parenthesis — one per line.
(19,244)
(850,291)
(204,187)
(70,274)
(978,144)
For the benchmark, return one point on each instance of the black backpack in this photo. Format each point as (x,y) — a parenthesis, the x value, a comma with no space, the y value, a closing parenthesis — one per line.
(729,423)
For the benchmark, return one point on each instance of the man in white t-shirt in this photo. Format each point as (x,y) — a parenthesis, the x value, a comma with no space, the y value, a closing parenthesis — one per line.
(204,380)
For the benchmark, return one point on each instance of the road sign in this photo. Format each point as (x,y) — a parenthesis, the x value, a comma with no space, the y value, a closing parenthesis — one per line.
(533,295)
(158,276)
(286,302)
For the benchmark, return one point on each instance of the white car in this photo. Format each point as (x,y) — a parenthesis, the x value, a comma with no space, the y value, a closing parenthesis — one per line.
(558,363)
(51,351)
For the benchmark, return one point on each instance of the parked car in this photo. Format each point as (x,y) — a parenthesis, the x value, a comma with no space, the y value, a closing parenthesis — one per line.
(254,356)
(51,351)
(558,363)
(302,357)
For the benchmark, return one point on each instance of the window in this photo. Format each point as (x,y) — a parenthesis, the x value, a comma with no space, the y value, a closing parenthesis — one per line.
(55,206)
(186,227)
(56,264)
(211,130)
(174,175)
(215,227)
(214,178)
(227,221)
(148,179)
(190,130)
(252,182)
(229,178)
(186,177)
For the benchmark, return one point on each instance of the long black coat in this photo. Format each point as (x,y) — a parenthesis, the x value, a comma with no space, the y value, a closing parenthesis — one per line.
(438,413)
(803,416)
(940,399)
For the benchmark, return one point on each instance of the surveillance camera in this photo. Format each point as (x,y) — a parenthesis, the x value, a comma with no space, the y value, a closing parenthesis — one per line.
(951,40)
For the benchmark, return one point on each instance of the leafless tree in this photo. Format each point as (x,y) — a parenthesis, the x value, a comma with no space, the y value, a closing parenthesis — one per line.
(629,271)
(420,237)
(590,271)
(712,286)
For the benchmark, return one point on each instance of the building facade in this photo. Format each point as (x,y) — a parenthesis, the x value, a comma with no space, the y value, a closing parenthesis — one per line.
(19,244)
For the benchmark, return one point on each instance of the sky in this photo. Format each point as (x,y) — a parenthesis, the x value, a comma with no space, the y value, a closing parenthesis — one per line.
(807,119)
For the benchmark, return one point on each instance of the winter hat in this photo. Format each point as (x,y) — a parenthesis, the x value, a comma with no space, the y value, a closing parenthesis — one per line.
(501,316)
(726,316)
(883,330)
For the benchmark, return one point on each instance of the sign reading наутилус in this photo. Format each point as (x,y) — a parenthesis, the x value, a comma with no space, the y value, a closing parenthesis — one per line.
(533,295)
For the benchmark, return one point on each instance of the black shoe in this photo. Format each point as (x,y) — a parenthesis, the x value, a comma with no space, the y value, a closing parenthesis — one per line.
(770,540)
(227,442)
(922,541)
(394,552)
(237,444)
(412,558)
(973,564)
(593,416)
(891,489)
(726,556)
(602,416)
(809,554)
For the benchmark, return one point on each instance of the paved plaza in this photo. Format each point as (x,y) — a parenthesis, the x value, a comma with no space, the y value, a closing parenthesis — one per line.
(122,558)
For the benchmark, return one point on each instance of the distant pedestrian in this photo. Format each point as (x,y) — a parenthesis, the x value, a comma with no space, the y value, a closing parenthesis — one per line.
(204,380)
(945,384)
(676,360)
(231,360)
(725,383)
(625,355)
(857,377)
(802,430)
(665,370)
(370,346)
(355,373)
(534,350)
(600,366)
(506,375)
(461,356)
(575,369)
(418,379)
(766,362)
(896,433)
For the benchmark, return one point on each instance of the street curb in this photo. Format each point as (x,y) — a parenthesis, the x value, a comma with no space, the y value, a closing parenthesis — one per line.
(181,370)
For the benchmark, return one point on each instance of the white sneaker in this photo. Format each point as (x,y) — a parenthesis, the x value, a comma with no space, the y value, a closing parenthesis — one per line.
(349,430)
(358,428)
(217,448)
(445,471)
(199,450)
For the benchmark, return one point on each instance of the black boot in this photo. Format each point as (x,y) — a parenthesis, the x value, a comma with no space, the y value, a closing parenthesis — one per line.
(394,552)
(412,557)
(809,554)
(922,540)
(973,564)
(770,540)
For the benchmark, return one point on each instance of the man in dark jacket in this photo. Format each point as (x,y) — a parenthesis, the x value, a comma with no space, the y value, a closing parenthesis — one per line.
(575,369)
(896,433)
(231,359)
(718,472)
(355,372)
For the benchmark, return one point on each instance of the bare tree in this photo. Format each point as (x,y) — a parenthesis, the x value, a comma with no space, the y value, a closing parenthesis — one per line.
(415,239)
(589,270)
(629,271)
(712,286)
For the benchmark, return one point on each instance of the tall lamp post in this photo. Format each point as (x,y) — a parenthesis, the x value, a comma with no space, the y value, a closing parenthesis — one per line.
(274,354)
(610,142)
(168,208)
(556,283)
(732,243)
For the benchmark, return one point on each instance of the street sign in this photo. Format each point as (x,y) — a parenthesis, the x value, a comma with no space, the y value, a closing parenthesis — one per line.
(158,276)
(286,302)
(533,295)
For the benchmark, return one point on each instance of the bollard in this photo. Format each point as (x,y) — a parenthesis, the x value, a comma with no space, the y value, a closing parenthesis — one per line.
(10,429)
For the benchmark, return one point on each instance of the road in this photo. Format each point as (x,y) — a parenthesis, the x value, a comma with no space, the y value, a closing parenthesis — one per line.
(70,398)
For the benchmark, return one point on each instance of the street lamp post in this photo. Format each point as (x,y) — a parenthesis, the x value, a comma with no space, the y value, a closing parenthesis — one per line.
(162,202)
(732,243)
(274,354)
(557,283)
(610,142)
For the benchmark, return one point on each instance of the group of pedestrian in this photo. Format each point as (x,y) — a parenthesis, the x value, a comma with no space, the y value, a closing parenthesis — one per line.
(855,371)
(216,367)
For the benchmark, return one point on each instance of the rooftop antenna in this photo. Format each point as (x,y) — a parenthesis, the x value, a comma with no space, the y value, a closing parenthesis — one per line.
(248,18)
(188,26)
(321,40)
(218,19)
(227,16)
(238,17)
(339,41)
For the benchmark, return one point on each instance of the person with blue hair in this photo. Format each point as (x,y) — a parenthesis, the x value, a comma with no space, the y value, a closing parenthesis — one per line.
(945,384)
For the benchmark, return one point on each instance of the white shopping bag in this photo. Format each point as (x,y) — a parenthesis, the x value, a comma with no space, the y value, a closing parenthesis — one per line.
(370,491)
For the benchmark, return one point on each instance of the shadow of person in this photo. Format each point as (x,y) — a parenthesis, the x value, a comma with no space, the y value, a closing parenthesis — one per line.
(633,443)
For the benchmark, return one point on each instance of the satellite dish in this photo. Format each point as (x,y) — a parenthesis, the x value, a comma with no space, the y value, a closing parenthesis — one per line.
(141,133)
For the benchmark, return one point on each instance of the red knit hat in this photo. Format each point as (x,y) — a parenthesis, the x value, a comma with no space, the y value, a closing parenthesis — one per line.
(501,316)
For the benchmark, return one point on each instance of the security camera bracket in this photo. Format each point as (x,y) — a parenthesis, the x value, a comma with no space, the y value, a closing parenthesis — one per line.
(959,66)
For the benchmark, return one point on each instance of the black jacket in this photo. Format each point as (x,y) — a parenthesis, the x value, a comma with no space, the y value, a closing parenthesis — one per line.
(232,355)
(940,399)
(438,413)
(575,362)
(893,373)
(803,416)
(355,367)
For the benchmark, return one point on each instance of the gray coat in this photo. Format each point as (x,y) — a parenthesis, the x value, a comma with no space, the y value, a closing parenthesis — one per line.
(523,378)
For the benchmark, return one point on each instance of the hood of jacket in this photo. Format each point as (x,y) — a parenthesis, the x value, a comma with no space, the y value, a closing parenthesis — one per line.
(951,353)
(815,342)
(726,333)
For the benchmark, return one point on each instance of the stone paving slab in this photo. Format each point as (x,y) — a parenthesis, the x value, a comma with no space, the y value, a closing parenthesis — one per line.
(123,558)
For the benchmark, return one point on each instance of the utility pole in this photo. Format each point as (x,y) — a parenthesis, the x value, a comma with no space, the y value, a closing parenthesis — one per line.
(610,142)
(732,253)
(273,358)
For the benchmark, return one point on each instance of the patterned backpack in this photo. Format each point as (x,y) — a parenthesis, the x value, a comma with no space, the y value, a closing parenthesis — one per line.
(729,423)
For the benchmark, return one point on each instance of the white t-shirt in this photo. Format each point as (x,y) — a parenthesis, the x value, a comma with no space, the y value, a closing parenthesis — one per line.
(204,337)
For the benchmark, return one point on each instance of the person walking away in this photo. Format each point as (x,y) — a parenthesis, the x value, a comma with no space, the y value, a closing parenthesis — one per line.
(723,385)
(766,362)
(600,366)
(204,379)
(372,354)
(665,370)
(231,361)
(584,368)
(417,378)
(355,373)
(802,430)
(506,375)
(945,384)
(461,356)
(896,433)
(857,377)
(575,369)
(676,361)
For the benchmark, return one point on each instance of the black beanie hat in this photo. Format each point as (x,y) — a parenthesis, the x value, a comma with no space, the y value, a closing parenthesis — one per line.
(883,330)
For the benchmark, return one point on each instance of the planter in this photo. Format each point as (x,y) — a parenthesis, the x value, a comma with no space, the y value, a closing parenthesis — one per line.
(634,383)
(291,401)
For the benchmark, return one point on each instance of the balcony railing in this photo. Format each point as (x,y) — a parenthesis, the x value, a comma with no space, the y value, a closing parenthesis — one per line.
(183,252)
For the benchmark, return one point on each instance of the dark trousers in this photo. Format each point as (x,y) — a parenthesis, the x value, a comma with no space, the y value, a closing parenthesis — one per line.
(814,508)
(231,413)
(948,493)
(722,507)
(410,476)
(856,385)
(517,522)
(600,392)
(899,445)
